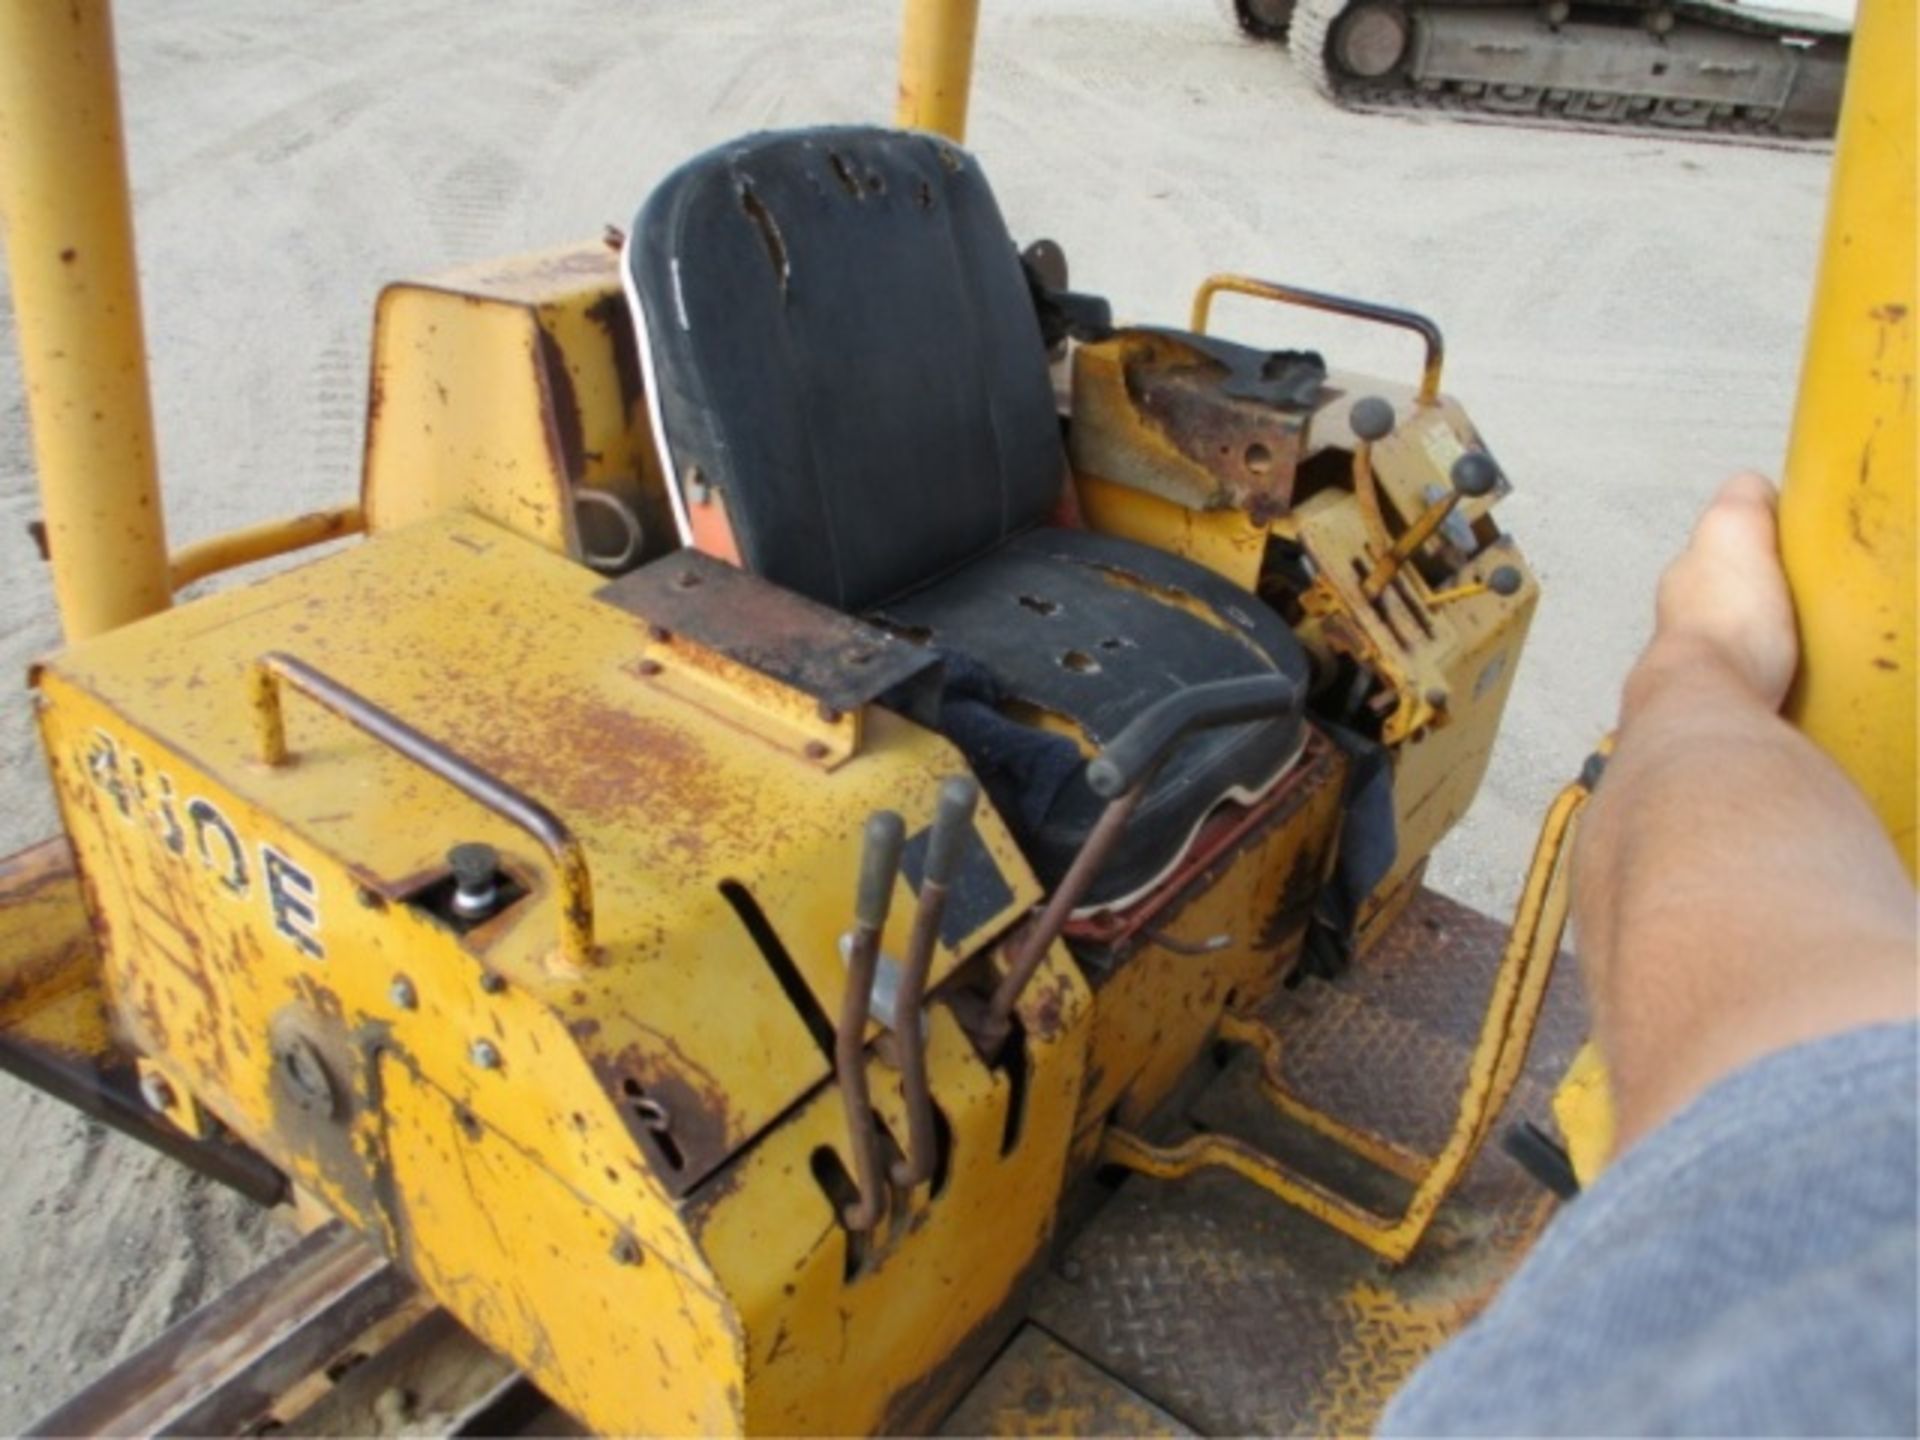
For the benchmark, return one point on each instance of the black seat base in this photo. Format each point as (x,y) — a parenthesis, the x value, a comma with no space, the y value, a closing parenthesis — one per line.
(1056,640)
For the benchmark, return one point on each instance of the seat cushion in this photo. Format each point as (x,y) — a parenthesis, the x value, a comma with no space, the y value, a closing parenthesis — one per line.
(842,345)
(1093,629)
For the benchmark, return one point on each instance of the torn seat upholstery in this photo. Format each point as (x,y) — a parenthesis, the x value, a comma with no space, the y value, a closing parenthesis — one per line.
(851,393)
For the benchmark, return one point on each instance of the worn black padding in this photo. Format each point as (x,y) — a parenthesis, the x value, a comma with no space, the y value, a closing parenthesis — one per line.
(1095,628)
(842,342)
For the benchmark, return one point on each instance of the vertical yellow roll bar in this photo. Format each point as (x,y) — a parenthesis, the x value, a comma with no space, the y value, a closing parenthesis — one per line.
(76,301)
(1847,507)
(936,66)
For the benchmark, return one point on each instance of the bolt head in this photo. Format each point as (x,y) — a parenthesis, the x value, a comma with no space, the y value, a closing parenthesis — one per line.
(1505,580)
(626,1249)
(155,1090)
(402,994)
(485,1054)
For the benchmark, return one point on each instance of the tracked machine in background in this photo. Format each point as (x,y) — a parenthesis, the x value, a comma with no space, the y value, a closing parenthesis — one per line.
(1732,69)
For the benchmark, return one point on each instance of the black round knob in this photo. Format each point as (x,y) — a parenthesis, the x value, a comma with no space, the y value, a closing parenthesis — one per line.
(1474,474)
(1505,580)
(474,867)
(1371,418)
(474,863)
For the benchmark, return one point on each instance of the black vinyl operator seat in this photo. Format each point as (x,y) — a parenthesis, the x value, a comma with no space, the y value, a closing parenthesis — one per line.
(852,398)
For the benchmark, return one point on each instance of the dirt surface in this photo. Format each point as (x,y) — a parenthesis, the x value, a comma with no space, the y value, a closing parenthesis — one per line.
(1623,320)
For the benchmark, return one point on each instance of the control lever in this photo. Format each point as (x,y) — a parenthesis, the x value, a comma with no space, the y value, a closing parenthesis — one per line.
(1474,474)
(952,820)
(1504,580)
(1372,420)
(1119,774)
(879,864)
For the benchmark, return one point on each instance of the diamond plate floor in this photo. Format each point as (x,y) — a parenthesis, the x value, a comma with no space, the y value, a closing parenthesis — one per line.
(1223,1311)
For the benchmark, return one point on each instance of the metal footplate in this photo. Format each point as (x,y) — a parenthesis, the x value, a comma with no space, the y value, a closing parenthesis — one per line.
(1203,1307)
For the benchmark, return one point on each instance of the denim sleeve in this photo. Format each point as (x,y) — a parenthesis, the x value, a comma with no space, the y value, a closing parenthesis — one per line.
(1749,1268)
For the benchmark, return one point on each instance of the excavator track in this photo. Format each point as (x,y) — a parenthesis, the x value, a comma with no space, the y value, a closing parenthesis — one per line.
(1714,73)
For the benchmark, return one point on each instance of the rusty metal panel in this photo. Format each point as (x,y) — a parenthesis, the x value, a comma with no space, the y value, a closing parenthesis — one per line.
(1239,1315)
(1203,424)
(772,662)
(839,661)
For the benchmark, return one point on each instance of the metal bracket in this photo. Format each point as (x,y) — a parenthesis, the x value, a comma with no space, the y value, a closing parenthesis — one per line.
(773,662)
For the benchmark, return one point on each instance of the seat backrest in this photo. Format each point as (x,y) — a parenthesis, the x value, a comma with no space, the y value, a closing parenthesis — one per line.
(842,351)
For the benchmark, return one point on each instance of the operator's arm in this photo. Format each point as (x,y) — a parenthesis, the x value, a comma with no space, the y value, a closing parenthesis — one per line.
(1733,893)
(1748,1263)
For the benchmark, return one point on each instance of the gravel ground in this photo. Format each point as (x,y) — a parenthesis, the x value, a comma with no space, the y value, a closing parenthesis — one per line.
(1623,319)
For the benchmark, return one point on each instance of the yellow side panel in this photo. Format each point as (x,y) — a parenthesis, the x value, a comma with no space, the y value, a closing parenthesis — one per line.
(938,1290)
(1159,1010)
(506,389)
(1227,542)
(50,991)
(498,1237)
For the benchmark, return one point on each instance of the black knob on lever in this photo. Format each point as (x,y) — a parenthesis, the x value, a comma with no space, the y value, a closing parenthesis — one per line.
(952,816)
(879,863)
(475,867)
(1474,474)
(1372,418)
(1505,580)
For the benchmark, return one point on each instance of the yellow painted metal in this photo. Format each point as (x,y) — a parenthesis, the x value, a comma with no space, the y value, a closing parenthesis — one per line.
(936,66)
(76,302)
(1498,1057)
(1160,1008)
(508,389)
(508,1127)
(235,548)
(1583,1109)
(737,695)
(50,984)
(1227,542)
(1847,505)
(1389,1332)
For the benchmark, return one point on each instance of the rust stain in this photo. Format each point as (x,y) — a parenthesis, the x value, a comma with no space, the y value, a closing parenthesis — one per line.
(916,1408)
(662,1093)
(583,757)
(609,312)
(565,431)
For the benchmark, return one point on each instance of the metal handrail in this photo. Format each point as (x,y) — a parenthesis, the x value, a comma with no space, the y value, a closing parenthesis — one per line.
(271,670)
(1334,304)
